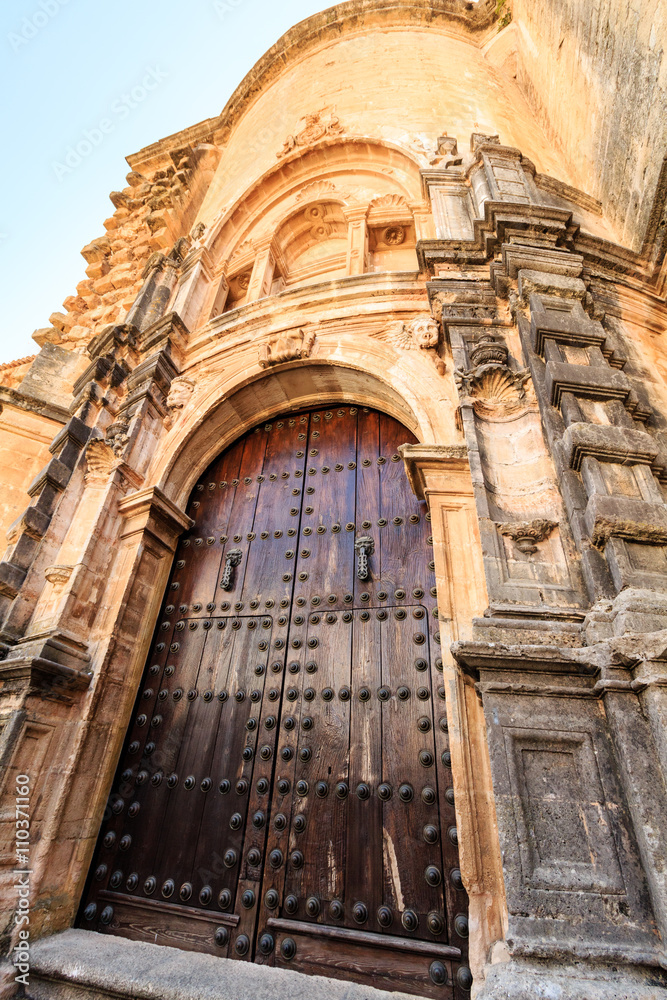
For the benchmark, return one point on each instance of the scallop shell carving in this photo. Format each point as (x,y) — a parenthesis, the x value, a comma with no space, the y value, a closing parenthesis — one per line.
(493,388)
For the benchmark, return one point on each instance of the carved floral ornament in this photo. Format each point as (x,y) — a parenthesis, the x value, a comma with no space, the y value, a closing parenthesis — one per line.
(526,534)
(423,333)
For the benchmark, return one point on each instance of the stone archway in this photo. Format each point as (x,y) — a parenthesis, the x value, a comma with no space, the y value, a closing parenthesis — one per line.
(285,791)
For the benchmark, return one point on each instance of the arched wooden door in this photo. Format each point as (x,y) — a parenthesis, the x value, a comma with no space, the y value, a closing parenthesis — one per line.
(284,795)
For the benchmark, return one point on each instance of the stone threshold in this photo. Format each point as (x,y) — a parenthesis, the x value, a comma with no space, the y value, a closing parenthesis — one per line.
(85,965)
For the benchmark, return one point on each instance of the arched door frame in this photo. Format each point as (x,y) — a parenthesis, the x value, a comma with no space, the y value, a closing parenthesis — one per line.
(153,519)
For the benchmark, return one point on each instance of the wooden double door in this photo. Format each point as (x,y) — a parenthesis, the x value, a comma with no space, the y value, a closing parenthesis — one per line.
(284,795)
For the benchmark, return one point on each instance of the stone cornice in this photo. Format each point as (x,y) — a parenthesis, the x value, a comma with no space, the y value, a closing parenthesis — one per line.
(15,398)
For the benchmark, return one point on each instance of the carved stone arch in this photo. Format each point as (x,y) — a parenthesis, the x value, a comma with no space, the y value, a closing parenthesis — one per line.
(223,416)
(438,474)
(324,160)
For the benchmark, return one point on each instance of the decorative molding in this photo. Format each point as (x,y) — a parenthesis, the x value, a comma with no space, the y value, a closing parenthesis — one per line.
(318,125)
(243,248)
(289,345)
(526,534)
(494,389)
(422,333)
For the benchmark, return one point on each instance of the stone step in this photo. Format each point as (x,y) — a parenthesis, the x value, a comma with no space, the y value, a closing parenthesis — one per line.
(84,965)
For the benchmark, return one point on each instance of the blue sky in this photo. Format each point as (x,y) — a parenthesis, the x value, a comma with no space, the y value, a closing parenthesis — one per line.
(68,64)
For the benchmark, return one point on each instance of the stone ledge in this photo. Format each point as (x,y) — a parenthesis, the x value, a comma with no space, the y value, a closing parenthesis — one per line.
(571,981)
(84,965)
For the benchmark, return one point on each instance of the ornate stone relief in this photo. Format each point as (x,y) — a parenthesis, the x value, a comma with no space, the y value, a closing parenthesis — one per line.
(180,391)
(99,461)
(495,389)
(393,236)
(197,235)
(443,152)
(287,346)
(316,191)
(488,350)
(423,333)
(526,534)
(117,436)
(389,201)
(317,126)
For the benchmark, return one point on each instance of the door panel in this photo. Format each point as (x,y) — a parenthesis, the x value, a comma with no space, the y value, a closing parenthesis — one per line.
(284,794)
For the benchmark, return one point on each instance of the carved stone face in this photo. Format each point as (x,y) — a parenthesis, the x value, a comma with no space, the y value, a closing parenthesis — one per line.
(425,332)
(179,393)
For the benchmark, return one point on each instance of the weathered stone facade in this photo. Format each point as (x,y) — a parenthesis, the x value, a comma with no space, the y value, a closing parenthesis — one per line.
(421,250)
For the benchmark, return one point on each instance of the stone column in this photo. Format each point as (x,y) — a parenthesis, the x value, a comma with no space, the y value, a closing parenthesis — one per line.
(261,278)
(193,286)
(357,241)
(440,475)
(74,699)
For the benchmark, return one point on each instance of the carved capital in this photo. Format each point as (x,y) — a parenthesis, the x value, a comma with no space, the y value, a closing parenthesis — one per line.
(435,466)
(150,511)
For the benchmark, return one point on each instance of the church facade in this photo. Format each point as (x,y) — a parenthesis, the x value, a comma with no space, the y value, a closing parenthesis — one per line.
(334,601)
